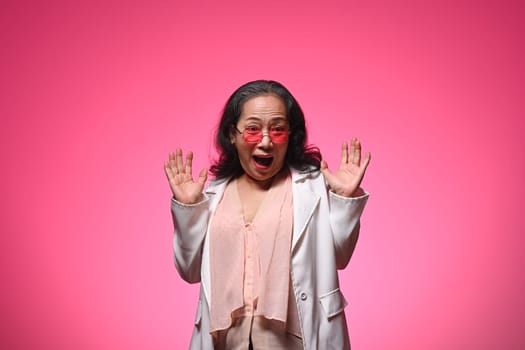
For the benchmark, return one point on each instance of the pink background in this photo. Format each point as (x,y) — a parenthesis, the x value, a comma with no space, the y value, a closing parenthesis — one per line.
(94,94)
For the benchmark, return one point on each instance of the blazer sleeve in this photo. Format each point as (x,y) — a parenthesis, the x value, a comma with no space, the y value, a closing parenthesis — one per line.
(344,219)
(190,224)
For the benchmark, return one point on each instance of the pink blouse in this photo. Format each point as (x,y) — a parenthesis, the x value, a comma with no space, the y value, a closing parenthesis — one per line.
(250,261)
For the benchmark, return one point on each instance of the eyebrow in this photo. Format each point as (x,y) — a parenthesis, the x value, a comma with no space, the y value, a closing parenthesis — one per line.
(273,119)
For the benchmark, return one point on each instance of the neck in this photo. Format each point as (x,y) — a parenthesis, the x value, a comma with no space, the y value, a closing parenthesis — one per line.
(256,185)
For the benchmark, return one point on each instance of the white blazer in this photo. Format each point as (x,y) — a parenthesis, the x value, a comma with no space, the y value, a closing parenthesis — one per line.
(325,231)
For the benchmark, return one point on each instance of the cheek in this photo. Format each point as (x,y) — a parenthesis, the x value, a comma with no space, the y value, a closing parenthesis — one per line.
(282,151)
(243,149)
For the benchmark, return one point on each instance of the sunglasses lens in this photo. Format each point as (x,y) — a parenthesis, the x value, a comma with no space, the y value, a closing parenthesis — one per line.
(278,136)
(253,136)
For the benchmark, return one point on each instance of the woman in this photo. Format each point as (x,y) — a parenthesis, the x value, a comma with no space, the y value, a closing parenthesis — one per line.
(266,237)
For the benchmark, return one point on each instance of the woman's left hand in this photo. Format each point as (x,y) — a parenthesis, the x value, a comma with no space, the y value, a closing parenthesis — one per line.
(346,180)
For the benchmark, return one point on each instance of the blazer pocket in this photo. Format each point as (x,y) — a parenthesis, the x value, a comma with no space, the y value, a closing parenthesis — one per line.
(199,314)
(333,303)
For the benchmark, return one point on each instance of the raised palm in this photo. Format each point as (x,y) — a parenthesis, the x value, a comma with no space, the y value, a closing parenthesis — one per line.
(180,177)
(347,179)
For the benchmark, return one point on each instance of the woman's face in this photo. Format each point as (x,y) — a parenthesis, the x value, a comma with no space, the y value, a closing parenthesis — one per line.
(264,159)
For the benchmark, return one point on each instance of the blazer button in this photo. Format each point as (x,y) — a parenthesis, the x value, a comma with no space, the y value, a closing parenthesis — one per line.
(304,296)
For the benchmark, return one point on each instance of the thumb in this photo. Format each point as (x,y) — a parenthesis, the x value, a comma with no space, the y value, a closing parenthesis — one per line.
(203,175)
(324,166)
(326,173)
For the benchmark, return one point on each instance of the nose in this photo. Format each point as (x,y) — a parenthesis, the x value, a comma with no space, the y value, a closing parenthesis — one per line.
(266,140)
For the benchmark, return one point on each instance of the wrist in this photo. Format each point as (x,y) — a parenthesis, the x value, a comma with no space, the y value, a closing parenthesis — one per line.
(357,193)
(189,200)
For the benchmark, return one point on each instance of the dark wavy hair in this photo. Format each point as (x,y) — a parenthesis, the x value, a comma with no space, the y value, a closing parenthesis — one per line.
(298,155)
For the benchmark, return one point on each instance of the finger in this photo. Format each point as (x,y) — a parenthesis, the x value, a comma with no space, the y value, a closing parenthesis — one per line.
(179,160)
(366,161)
(351,151)
(167,169)
(357,152)
(189,158)
(203,175)
(173,163)
(344,153)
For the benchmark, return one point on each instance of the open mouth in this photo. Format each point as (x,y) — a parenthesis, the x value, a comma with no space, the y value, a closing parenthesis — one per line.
(263,161)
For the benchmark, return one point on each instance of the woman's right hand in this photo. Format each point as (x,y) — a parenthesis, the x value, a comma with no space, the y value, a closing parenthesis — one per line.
(184,188)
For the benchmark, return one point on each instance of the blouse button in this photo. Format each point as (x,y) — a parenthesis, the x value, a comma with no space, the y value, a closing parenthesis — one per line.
(304,296)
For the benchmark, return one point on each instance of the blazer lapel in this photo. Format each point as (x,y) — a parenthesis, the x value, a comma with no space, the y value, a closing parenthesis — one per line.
(304,202)
(214,191)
